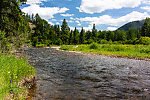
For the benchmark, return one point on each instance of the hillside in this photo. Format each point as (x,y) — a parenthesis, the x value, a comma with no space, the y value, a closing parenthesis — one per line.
(135,24)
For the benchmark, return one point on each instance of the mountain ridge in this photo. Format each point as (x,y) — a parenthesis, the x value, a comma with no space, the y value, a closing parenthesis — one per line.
(135,24)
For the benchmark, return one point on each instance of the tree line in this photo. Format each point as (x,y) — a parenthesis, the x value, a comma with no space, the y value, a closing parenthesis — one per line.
(45,33)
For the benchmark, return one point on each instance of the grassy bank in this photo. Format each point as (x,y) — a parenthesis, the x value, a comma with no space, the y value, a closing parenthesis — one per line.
(12,71)
(131,51)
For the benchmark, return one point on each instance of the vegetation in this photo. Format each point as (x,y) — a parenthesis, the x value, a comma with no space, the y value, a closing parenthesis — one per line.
(47,34)
(14,32)
(18,29)
(12,71)
(133,51)
(94,46)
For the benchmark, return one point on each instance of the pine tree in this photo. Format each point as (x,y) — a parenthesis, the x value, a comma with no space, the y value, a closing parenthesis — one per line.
(88,37)
(75,36)
(65,32)
(82,36)
(146,28)
(71,37)
(94,33)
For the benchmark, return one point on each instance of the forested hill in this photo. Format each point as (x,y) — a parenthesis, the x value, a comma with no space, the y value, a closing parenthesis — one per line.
(134,24)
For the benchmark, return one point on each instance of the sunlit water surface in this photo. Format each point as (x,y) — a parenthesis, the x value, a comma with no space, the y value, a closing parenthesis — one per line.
(74,76)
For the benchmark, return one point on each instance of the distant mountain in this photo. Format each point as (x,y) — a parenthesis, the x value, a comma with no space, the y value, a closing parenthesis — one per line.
(134,24)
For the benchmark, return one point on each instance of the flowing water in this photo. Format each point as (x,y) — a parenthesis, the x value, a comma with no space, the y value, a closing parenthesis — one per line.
(75,76)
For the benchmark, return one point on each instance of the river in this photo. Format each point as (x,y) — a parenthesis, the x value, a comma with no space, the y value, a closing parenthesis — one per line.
(75,76)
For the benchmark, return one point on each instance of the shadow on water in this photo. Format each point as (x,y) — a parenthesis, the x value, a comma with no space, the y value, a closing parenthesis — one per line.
(71,76)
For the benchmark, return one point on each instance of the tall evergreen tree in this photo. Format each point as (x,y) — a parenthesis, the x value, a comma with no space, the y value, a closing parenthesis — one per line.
(71,37)
(65,32)
(88,37)
(10,16)
(146,28)
(94,33)
(82,36)
(75,36)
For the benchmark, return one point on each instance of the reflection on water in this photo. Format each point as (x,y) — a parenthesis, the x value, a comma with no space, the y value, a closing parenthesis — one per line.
(71,76)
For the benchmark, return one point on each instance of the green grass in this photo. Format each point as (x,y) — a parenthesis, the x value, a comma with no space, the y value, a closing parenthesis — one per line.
(137,51)
(12,71)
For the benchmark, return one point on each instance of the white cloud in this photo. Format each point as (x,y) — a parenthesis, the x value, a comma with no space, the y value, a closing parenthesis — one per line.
(79,24)
(57,23)
(50,23)
(146,1)
(67,15)
(44,12)
(89,27)
(70,21)
(34,1)
(111,28)
(146,8)
(72,28)
(77,21)
(97,6)
(108,20)
(54,20)
(71,18)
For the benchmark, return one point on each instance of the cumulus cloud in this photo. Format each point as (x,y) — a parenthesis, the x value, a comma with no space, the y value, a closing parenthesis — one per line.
(147,8)
(97,6)
(34,1)
(54,20)
(79,24)
(72,28)
(67,15)
(51,23)
(70,21)
(89,27)
(44,12)
(111,28)
(108,20)
(57,23)
(146,1)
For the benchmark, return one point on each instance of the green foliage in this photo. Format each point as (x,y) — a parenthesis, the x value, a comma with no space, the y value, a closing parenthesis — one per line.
(137,51)
(82,36)
(94,33)
(94,46)
(12,71)
(144,40)
(64,47)
(146,28)
(103,41)
(75,36)
(65,31)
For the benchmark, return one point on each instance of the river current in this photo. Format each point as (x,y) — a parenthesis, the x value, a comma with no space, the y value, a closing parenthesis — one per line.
(75,76)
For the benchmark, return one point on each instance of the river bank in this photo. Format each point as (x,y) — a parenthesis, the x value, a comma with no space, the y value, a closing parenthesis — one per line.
(138,52)
(16,77)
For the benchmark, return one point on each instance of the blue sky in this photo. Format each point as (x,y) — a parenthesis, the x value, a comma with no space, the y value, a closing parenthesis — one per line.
(106,14)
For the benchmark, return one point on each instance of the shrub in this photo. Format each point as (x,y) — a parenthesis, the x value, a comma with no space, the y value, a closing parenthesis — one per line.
(64,47)
(103,41)
(144,40)
(94,46)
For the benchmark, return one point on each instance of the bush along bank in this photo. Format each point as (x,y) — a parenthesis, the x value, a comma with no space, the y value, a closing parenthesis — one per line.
(16,77)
